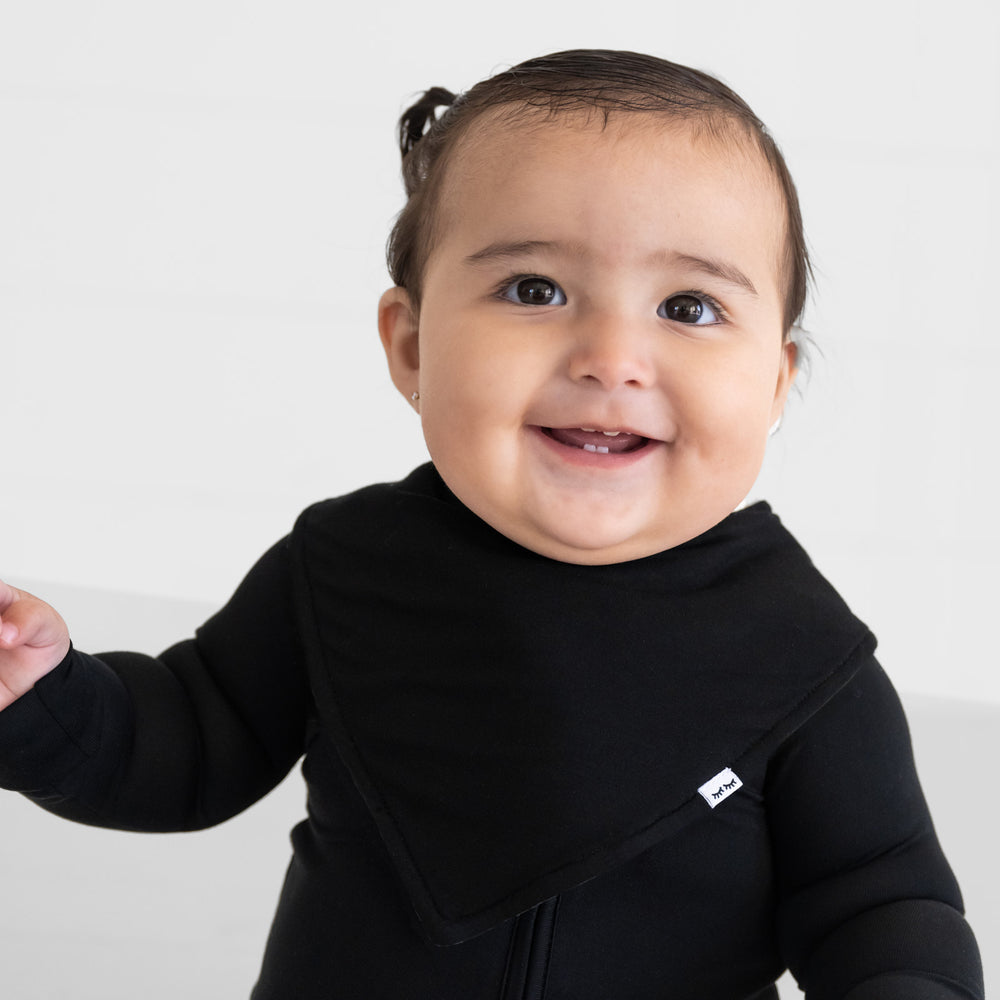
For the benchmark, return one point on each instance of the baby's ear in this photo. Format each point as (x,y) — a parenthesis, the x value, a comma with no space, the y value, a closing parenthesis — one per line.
(397,328)
(787,370)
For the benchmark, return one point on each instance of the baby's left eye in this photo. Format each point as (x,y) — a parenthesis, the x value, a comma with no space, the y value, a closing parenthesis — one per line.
(691,309)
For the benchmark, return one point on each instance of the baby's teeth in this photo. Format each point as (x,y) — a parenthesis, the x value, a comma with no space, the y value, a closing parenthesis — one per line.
(611,434)
(598,449)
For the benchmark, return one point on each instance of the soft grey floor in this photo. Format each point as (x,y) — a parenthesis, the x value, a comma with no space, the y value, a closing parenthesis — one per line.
(98,915)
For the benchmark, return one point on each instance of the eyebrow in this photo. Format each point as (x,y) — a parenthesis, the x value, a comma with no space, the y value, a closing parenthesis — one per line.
(501,251)
(716,268)
(505,251)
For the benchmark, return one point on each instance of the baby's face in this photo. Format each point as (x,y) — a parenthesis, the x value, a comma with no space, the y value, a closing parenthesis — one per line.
(598,351)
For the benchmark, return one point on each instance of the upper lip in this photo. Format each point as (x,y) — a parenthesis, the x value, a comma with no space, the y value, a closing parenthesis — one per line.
(597,425)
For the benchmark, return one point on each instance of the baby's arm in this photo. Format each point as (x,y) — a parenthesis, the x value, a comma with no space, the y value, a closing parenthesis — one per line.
(869,908)
(33,640)
(174,742)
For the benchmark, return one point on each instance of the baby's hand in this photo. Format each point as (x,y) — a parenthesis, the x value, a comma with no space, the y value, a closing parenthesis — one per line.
(33,640)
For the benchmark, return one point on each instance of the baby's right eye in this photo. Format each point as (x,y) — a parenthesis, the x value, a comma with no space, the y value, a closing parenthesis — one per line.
(534,291)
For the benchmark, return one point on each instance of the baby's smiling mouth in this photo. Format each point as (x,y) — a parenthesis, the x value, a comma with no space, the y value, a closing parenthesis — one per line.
(599,442)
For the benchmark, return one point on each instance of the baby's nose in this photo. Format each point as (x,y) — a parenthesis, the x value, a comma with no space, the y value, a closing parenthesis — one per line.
(612,350)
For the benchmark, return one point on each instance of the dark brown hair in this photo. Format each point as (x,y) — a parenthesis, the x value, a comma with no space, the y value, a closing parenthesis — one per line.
(589,81)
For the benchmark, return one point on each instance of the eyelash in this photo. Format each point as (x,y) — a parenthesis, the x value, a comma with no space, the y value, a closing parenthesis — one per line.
(506,286)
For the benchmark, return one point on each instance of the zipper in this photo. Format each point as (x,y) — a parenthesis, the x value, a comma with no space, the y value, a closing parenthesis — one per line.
(529,952)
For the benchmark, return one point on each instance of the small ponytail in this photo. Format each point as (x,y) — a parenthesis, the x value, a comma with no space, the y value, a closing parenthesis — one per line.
(418,119)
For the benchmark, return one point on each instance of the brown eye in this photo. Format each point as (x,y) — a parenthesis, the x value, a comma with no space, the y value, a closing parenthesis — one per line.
(688,309)
(534,292)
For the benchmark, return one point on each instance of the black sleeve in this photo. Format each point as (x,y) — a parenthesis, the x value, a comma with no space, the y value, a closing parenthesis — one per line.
(869,908)
(175,742)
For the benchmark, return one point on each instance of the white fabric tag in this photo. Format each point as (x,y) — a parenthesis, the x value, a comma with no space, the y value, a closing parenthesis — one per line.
(720,787)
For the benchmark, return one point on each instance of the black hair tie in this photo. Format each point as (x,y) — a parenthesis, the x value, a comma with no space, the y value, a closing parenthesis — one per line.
(418,119)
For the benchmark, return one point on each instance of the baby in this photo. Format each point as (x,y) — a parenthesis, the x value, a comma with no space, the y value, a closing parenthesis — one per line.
(572,727)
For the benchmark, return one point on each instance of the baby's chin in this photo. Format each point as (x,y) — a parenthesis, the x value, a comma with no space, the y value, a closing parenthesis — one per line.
(594,520)
(576,552)
(585,545)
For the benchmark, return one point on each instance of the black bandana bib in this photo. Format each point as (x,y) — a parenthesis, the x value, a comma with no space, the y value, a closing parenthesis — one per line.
(518,725)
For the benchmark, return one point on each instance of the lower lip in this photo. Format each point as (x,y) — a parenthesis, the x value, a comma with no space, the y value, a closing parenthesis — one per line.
(611,460)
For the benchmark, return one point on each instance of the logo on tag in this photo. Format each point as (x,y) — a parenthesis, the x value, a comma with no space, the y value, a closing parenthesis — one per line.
(720,787)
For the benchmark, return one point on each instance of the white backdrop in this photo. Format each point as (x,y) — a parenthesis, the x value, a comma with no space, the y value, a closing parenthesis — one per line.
(194,199)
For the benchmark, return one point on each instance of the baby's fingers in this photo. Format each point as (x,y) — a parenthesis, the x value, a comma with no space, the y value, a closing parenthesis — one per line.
(25,620)
(10,614)
(33,640)
(8,630)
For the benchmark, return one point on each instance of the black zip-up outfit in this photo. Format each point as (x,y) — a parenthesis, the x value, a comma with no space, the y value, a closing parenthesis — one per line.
(669,778)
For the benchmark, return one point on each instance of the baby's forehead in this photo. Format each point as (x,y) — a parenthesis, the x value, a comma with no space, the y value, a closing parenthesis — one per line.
(521,156)
(499,140)
(510,126)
